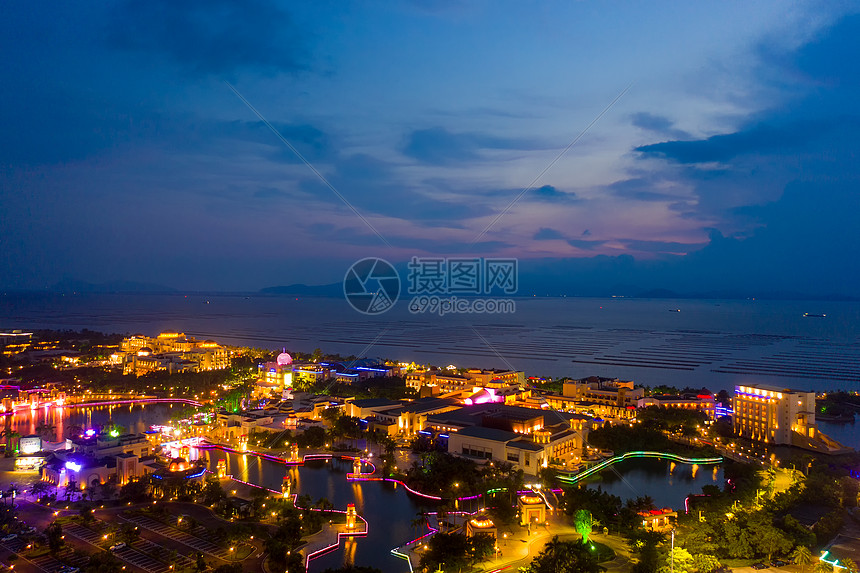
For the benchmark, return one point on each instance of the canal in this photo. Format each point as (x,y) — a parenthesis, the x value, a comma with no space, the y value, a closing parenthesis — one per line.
(388,508)
(134,418)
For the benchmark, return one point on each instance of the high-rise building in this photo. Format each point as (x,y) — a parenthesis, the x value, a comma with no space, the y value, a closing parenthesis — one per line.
(770,414)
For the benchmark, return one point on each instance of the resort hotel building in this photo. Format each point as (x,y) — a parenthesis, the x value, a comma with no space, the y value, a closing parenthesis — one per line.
(779,416)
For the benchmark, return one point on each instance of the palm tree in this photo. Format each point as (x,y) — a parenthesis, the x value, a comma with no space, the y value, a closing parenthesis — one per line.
(822,567)
(11,436)
(850,565)
(44,429)
(442,516)
(801,556)
(419,522)
(40,488)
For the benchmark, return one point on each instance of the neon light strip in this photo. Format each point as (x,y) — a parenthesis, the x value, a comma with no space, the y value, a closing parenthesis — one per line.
(641,454)
(340,535)
(351,477)
(111,403)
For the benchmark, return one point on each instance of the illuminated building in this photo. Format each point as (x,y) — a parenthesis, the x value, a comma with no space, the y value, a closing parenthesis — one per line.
(275,378)
(342,372)
(480,524)
(15,341)
(701,402)
(83,470)
(470,380)
(779,416)
(351,516)
(369,406)
(526,437)
(171,352)
(659,519)
(412,417)
(29,444)
(604,391)
(532,509)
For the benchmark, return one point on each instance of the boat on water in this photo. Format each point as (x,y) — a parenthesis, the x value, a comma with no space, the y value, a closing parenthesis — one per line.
(674,310)
(811,315)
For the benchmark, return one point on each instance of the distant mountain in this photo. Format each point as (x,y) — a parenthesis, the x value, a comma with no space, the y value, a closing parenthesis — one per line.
(71,285)
(334,289)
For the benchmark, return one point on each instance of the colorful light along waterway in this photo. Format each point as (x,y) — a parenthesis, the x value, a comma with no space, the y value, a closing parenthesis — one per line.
(389,512)
(574,478)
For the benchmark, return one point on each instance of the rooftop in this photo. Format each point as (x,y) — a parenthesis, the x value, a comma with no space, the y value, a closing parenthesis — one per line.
(488,434)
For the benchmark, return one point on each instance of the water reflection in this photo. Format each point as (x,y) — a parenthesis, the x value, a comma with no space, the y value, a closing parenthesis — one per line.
(59,423)
(387,509)
(667,483)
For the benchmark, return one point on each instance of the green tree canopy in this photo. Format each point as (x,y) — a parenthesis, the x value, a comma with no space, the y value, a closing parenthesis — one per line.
(565,557)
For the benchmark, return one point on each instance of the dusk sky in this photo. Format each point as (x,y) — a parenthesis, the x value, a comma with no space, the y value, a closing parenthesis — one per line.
(729,163)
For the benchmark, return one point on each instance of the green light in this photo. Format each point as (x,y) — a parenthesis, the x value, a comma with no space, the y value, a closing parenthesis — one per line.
(641,454)
(114,433)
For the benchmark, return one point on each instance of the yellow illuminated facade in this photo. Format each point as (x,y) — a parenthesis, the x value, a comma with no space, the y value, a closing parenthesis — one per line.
(772,415)
(171,352)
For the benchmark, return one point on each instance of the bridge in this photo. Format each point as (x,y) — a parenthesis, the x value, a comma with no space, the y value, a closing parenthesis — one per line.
(575,478)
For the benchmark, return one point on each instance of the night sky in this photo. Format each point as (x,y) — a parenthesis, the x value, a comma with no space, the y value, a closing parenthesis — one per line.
(729,163)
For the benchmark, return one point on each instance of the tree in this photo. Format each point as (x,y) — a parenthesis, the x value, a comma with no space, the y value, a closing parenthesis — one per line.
(480,547)
(129,533)
(136,490)
(213,492)
(201,563)
(849,564)
(565,557)
(313,437)
(767,539)
(822,567)
(71,488)
(419,523)
(86,514)
(644,543)
(678,560)
(104,562)
(705,563)
(108,489)
(40,488)
(582,522)
(54,533)
(801,556)
(45,430)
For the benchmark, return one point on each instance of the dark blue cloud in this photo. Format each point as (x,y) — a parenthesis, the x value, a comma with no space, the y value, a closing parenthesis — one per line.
(550,194)
(640,189)
(373,186)
(438,146)
(662,247)
(547,234)
(210,36)
(658,124)
(757,139)
(585,244)
(807,146)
